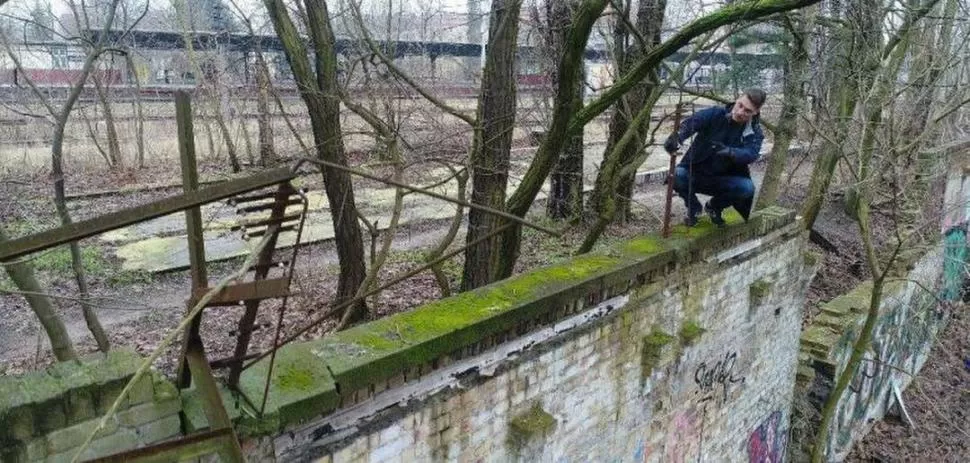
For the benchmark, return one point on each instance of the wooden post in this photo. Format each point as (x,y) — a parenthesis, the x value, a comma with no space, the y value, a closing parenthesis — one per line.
(190,182)
(193,223)
(193,363)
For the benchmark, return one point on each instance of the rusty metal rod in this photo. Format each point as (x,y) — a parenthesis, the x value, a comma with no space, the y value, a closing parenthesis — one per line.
(665,232)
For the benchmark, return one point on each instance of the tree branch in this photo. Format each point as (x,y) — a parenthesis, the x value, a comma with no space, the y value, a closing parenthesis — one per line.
(740,11)
(355,9)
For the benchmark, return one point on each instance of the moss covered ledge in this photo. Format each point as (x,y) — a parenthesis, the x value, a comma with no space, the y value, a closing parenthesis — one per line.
(310,377)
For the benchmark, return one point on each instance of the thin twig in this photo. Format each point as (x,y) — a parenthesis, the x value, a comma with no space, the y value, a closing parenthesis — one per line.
(432,194)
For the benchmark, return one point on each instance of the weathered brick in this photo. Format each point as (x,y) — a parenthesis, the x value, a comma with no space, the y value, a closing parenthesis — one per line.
(148,412)
(73,436)
(37,449)
(159,430)
(592,380)
(142,391)
(120,441)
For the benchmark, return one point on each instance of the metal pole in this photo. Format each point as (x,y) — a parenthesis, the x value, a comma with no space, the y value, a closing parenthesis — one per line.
(670,177)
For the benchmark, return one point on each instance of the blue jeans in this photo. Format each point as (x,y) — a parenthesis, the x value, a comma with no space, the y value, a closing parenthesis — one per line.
(724,190)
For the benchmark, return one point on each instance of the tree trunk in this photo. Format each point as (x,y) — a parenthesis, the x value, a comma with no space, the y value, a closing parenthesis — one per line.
(139,114)
(267,153)
(320,96)
(114,148)
(566,180)
(796,68)
(23,278)
(57,173)
(566,183)
(650,16)
(853,70)
(93,135)
(224,127)
(569,71)
(930,52)
(244,127)
(60,203)
(568,119)
(492,143)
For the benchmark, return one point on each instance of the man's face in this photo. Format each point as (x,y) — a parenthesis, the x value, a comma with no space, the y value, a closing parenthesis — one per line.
(743,110)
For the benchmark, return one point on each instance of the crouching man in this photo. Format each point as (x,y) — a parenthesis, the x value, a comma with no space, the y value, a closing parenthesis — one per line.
(728,138)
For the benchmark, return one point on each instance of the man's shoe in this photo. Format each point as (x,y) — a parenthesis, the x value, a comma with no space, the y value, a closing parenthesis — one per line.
(714,214)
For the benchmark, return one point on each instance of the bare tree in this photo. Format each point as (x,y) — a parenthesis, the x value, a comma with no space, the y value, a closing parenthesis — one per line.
(793,98)
(318,87)
(566,180)
(59,117)
(568,118)
(492,142)
(861,49)
(23,277)
(631,41)
(886,172)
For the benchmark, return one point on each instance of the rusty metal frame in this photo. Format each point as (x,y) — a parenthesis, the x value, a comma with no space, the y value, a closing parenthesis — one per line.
(283,305)
(282,199)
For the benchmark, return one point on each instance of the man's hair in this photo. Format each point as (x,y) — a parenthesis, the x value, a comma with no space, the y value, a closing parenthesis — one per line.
(756,96)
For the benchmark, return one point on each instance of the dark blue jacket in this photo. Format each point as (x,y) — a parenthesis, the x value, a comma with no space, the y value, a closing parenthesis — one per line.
(715,125)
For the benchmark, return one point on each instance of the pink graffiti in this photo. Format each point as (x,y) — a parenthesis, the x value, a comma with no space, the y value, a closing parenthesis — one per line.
(767,443)
(683,438)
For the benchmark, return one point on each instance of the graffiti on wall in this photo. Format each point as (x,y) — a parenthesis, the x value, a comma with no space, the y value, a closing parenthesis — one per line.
(685,436)
(954,262)
(715,379)
(901,341)
(767,444)
(956,206)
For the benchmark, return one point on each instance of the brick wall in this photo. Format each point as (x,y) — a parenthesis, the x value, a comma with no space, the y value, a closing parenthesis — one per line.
(47,415)
(673,350)
(910,318)
(916,303)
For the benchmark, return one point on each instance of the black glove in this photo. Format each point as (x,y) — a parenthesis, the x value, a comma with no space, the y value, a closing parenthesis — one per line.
(721,149)
(672,144)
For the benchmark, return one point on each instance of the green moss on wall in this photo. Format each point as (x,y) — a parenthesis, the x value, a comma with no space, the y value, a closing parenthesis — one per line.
(690,332)
(308,375)
(653,345)
(759,291)
(531,425)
